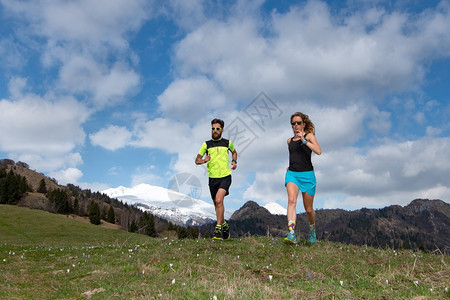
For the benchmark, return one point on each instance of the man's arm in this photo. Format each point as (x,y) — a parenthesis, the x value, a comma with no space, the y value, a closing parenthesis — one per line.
(199,160)
(234,159)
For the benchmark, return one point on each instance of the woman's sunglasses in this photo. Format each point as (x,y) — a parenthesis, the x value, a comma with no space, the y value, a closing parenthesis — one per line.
(297,122)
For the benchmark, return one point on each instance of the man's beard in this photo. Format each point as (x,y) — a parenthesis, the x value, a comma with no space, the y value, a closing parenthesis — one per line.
(216,138)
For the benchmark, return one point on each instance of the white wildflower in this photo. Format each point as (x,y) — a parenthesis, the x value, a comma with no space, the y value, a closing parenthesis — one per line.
(173,281)
(270,278)
(341,282)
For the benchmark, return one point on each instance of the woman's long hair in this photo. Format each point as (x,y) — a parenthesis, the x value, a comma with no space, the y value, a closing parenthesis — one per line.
(309,126)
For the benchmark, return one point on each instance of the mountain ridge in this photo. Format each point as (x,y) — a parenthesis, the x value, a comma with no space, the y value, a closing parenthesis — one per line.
(422,224)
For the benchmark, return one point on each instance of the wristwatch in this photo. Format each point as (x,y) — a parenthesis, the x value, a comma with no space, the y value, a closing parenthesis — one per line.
(304,141)
(235,161)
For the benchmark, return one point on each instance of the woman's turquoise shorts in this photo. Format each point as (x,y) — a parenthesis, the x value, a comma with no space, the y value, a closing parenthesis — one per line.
(306,181)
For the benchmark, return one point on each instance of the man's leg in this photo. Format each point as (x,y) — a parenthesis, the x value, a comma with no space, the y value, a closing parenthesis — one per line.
(218,204)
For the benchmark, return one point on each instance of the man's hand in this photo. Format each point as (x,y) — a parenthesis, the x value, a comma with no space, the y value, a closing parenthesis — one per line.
(207,158)
(233,165)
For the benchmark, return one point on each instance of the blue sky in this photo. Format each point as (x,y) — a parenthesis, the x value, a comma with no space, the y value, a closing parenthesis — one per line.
(107,93)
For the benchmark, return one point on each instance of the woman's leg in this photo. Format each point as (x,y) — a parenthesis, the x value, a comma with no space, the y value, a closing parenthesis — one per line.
(292,190)
(308,204)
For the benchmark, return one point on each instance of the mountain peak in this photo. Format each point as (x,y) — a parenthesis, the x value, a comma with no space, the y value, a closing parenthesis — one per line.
(250,209)
(173,206)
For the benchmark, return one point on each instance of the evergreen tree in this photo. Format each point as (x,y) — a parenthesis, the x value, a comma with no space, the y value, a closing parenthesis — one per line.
(104,213)
(76,206)
(171,227)
(182,232)
(12,187)
(133,226)
(94,213)
(193,232)
(147,225)
(60,200)
(150,230)
(42,187)
(111,217)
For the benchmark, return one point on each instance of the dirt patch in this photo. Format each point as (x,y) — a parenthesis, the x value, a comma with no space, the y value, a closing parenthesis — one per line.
(35,201)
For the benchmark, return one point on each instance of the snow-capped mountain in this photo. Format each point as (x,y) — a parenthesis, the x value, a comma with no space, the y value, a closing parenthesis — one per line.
(275,208)
(173,206)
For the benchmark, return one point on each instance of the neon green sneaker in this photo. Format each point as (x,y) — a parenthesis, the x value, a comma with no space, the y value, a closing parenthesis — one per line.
(217,233)
(312,234)
(290,238)
(225,231)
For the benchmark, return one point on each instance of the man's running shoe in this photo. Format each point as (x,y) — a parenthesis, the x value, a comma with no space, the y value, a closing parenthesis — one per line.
(312,234)
(290,238)
(225,231)
(217,233)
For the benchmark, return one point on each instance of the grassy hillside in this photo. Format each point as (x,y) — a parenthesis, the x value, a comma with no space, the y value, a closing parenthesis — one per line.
(26,227)
(51,256)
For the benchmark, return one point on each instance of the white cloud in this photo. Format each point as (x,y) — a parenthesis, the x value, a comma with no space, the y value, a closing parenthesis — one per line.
(94,186)
(268,187)
(44,132)
(164,134)
(91,21)
(40,126)
(82,75)
(146,175)
(308,53)
(407,167)
(380,121)
(87,42)
(111,137)
(69,175)
(49,163)
(189,99)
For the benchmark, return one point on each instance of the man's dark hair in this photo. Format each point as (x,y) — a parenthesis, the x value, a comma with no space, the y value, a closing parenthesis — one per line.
(218,121)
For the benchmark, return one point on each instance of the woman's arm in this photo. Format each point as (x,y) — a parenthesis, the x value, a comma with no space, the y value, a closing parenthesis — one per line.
(313,144)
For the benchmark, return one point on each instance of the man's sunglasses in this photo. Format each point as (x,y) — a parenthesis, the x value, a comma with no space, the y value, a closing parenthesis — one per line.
(216,128)
(297,122)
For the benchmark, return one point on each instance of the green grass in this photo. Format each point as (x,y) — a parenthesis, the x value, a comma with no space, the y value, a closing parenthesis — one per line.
(45,256)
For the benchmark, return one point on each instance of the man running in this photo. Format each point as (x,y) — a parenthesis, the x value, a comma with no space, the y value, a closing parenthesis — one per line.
(215,153)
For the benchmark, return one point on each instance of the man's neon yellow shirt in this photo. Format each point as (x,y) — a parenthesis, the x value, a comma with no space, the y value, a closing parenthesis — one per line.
(218,166)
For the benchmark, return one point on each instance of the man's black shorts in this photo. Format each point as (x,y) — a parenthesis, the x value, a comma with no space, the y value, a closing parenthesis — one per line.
(219,183)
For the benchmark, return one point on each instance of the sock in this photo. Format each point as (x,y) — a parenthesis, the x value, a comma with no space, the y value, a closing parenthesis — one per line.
(312,226)
(291,226)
